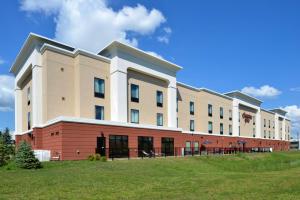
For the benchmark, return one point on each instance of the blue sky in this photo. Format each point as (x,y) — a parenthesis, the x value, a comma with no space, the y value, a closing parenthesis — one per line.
(222,45)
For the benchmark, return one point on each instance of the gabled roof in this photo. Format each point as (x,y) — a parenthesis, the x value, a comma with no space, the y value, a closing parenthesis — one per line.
(119,45)
(240,95)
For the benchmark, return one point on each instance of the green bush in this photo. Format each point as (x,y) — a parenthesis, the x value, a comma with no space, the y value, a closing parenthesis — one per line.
(4,154)
(97,157)
(25,157)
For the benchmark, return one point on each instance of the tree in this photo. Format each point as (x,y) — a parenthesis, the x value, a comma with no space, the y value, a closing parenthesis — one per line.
(4,155)
(8,141)
(25,157)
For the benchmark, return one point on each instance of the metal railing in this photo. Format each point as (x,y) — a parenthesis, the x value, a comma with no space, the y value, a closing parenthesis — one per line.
(128,153)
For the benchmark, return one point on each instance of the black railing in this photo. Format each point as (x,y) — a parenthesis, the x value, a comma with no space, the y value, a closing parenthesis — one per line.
(176,151)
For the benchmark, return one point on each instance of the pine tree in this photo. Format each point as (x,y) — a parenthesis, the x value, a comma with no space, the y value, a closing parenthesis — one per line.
(4,156)
(25,157)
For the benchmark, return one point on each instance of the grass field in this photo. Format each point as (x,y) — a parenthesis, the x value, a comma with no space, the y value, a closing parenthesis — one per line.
(244,176)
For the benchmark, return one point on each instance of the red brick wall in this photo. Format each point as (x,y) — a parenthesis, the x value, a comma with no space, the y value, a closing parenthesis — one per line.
(75,141)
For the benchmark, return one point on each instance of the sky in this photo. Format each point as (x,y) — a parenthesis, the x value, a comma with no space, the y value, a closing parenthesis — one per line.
(250,45)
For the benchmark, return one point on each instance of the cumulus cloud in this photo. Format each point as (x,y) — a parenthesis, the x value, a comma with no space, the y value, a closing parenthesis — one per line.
(6,93)
(92,24)
(293,113)
(263,91)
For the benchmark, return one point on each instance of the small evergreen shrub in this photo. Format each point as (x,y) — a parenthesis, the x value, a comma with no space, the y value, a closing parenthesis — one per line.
(103,159)
(96,157)
(25,157)
(4,155)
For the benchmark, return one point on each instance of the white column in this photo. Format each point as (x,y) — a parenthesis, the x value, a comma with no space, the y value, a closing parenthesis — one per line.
(283,130)
(235,117)
(258,123)
(276,120)
(37,96)
(18,111)
(172,114)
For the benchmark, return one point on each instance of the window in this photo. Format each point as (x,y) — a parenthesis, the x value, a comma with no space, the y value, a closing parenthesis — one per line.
(230,114)
(269,134)
(192,125)
(196,147)
(177,104)
(221,129)
(253,133)
(99,88)
(28,96)
(99,112)
(254,120)
(239,116)
(230,129)
(145,145)
(221,113)
(159,98)
(118,146)
(273,124)
(210,127)
(159,119)
(28,121)
(265,134)
(192,108)
(210,110)
(134,93)
(134,116)
(239,130)
(269,124)
(265,123)
(188,149)
(177,121)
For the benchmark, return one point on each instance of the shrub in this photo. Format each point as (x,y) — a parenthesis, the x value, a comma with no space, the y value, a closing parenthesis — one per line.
(97,157)
(25,157)
(4,154)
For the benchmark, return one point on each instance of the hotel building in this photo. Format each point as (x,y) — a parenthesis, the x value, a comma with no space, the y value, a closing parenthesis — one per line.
(74,103)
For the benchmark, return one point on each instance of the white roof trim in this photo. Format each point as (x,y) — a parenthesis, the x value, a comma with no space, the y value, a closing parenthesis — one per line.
(74,53)
(115,43)
(187,86)
(237,91)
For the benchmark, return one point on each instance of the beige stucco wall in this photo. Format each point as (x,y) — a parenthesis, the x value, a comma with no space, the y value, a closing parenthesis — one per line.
(25,107)
(246,128)
(269,117)
(68,86)
(147,107)
(201,100)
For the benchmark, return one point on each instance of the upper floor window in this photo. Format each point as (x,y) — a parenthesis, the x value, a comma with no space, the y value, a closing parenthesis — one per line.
(159,98)
(210,110)
(239,130)
(134,116)
(273,124)
(230,129)
(239,116)
(210,127)
(221,112)
(192,125)
(134,93)
(99,112)
(192,108)
(28,96)
(177,103)
(269,134)
(254,120)
(253,133)
(159,119)
(99,87)
(265,123)
(230,114)
(269,123)
(221,129)
(177,121)
(28,121)
(265,134)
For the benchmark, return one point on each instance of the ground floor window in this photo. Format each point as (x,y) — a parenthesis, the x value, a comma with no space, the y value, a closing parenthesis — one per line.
(188,149)
(167,146)
(118,146)
(196,147)
(145,146)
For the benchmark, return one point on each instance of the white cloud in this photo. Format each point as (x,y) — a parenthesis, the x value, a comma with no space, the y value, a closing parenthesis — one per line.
(6,93)
(293,113)
(165,37)
(263,91)
(154,54)
(92,24)
(296,89)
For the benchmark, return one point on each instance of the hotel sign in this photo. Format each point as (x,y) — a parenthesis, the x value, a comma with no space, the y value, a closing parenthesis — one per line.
(247,117)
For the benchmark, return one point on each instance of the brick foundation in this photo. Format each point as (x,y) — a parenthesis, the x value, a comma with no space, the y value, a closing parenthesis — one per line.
(75,141)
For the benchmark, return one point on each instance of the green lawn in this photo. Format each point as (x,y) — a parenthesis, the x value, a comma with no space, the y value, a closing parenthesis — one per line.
(244,176)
